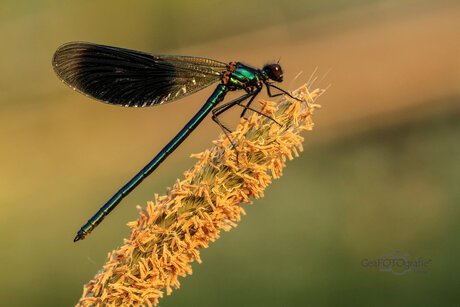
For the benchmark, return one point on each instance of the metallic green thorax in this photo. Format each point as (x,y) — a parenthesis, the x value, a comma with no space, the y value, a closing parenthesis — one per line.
(244,76)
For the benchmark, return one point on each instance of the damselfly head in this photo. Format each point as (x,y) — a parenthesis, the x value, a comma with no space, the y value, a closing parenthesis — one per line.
(274,72)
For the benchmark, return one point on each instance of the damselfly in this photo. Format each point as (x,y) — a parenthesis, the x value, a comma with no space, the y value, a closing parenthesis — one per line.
(136,79)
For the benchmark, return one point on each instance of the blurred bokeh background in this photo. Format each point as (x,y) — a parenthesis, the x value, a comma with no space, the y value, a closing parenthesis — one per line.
(380,172)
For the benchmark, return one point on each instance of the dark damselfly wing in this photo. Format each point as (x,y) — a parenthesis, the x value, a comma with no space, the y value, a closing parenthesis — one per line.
(132,78)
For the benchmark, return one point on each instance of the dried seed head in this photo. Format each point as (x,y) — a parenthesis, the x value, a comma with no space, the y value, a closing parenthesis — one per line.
(172,229)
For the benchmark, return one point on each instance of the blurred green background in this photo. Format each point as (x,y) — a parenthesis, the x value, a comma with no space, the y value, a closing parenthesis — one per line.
(380,172)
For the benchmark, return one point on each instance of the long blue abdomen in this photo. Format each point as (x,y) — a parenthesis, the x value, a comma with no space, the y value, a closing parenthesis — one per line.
(216,97)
